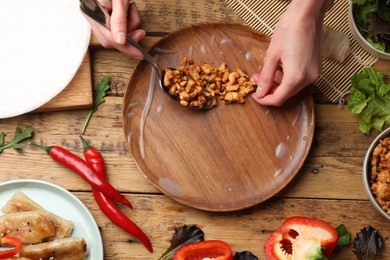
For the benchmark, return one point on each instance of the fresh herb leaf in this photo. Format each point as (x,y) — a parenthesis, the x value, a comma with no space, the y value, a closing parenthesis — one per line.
(344,238)
(15,142)
(370,99)
(245,255)
(2,138)
(367,243)
(182,236)
(100,93)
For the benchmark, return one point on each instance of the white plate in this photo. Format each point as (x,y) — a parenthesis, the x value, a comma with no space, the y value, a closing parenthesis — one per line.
(42,45)
(62,203)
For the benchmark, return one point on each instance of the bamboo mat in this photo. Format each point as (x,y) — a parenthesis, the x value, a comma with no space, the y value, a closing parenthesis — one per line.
(335,80)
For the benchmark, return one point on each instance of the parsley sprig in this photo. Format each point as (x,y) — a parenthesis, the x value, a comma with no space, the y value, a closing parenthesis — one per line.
(100,93)
(18,137)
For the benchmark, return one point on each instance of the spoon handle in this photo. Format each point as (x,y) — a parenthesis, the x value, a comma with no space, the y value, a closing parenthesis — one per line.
(147,56)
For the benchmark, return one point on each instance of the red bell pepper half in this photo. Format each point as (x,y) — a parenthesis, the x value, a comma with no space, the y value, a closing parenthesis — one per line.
(213,249)
(10,241)
(301,238)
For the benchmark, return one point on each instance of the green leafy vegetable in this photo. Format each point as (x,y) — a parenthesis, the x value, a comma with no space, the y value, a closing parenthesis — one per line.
(370,25)
(182,236)
(367,243)
(370,98)
(15,142)
(100,93)
(383,8)
(344,238)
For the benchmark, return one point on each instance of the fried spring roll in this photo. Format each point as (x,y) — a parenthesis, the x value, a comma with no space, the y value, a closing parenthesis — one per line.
(20,202)
(30,227)
(72,248)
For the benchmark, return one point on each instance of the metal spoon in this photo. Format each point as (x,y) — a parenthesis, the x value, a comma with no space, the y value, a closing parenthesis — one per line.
(95,11)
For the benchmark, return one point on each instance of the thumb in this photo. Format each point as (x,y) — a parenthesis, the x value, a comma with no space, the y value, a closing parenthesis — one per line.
(266,78)
(119,21)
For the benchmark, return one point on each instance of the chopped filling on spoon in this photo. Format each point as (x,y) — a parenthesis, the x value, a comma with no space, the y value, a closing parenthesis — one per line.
(195,85)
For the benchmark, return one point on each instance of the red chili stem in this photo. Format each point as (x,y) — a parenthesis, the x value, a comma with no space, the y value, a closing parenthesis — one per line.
(95,159)
(8,240)
(89,174)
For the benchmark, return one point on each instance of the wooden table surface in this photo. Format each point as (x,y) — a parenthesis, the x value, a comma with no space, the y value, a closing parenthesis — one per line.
(329,185)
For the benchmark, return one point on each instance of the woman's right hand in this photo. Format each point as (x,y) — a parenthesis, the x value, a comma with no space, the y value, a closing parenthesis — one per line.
(124,21)
(294,56)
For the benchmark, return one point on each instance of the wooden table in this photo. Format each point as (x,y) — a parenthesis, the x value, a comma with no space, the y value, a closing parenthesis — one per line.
(329,186)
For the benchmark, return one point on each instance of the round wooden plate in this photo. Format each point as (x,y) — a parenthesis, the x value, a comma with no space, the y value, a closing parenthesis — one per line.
(230,157)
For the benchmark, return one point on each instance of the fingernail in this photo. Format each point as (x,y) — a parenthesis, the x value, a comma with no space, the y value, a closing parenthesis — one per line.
(259,92)
(256,77)
(121,38)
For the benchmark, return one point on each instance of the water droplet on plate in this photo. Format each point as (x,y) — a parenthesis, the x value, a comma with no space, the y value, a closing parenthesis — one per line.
(160,108)
(278,172)
(249,56)
(281,150)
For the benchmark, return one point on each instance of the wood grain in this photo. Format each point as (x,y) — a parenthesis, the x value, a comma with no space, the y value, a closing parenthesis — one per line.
(336,155)
(328,186)
(205,158)
(243,230)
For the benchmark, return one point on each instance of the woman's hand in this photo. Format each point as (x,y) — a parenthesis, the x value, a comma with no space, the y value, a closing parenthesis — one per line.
(293,59)
(125,20)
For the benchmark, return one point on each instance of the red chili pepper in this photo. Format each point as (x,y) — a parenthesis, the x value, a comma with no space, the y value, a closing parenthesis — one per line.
(13,241)
(95,159)
(214,249)
(89,174)
(301,238)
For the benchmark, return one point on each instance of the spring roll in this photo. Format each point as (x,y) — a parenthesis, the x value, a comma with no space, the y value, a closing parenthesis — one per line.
(20,202)
(73,248)
(30,227)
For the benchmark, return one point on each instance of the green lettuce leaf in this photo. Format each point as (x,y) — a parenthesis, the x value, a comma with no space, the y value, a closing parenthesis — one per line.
(370,99)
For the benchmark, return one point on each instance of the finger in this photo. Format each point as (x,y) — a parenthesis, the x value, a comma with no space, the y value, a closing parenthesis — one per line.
(130,50)
(277,98)
(265,79)
(278,77)
(105,38)
(280,94)
(118,21)
(134,19)
(106,4)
